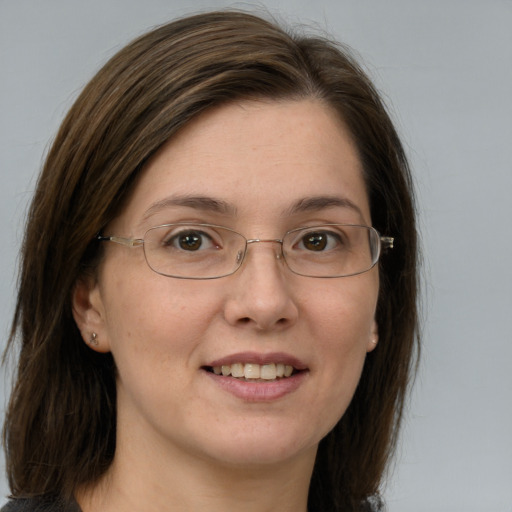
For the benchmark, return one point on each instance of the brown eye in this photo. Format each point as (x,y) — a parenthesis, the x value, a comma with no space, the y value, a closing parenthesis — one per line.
(176,237)
(190,241)
(315,241)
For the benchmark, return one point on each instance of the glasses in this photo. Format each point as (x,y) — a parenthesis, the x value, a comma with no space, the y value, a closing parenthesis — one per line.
(207,251)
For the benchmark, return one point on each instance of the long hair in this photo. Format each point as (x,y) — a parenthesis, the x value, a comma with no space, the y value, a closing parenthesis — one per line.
(60,425)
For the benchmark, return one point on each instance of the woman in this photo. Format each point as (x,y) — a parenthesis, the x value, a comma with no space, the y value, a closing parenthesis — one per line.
(217,301)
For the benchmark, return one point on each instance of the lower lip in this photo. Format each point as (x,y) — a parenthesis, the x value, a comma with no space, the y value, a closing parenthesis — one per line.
(259,391)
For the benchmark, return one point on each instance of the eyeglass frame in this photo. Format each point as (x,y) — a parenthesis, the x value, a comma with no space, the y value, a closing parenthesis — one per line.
(385,242)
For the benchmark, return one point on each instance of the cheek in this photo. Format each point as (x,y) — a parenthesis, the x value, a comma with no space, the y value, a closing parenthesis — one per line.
(342,313)
(148,320)
(342,323)
(342,338)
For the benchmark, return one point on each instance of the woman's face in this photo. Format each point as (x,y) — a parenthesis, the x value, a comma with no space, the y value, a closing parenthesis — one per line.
(260,168)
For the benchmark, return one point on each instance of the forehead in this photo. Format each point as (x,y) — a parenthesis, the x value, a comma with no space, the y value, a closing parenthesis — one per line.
(254,158)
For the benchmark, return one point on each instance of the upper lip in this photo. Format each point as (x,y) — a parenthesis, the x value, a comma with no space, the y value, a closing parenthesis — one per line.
(261,359)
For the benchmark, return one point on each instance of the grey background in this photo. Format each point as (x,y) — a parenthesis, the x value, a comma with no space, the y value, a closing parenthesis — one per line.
(445,68)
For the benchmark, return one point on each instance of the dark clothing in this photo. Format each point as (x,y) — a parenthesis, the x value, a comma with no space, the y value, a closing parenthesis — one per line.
(38,505)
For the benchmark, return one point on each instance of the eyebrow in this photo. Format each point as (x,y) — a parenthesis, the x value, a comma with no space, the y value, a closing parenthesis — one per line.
(213,205)
(203,203)
(317,203)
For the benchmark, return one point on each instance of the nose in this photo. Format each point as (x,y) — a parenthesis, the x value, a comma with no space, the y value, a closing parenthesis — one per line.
(260,294)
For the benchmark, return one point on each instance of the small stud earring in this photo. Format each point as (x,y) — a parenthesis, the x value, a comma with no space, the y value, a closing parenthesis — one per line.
(93,340)
(374,341)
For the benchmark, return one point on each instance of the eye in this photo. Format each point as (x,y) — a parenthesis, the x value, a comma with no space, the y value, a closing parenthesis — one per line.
(190,240)
(319,241)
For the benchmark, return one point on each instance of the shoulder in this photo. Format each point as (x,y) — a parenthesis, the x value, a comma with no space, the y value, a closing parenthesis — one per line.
(38,505)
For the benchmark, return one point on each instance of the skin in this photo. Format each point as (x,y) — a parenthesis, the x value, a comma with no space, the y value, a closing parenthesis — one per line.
(184,442)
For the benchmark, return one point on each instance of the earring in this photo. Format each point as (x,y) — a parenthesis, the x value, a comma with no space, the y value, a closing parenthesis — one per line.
(93,340)
(374,341)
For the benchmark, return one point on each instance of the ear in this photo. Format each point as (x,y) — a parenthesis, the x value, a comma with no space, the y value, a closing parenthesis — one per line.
(374,337)
(89,313)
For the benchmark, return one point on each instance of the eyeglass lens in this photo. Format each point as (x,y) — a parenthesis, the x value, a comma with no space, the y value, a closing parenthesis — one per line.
(204,251)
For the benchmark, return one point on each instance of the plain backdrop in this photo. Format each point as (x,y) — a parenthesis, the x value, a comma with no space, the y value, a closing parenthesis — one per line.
(445,70)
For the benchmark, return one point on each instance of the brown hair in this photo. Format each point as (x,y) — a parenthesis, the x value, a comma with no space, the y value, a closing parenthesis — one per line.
(60,426)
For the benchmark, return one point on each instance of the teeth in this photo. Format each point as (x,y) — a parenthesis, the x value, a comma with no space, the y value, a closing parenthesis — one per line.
(251,371)
(270,371)
(237,370)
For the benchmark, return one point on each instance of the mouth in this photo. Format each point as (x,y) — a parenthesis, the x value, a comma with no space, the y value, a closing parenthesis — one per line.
(254,372)
(256,377)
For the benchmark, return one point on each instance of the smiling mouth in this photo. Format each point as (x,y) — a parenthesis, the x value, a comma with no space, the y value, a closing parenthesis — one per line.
(253,371)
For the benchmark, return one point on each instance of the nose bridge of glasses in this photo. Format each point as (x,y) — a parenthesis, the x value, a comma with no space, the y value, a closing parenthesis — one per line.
(267,241)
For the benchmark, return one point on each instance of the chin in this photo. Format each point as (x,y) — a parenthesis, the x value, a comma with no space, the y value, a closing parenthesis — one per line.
(265,458)
(254,448)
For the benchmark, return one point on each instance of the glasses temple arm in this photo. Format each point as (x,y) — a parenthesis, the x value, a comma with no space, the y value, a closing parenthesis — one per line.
(129,242)
(387,242)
